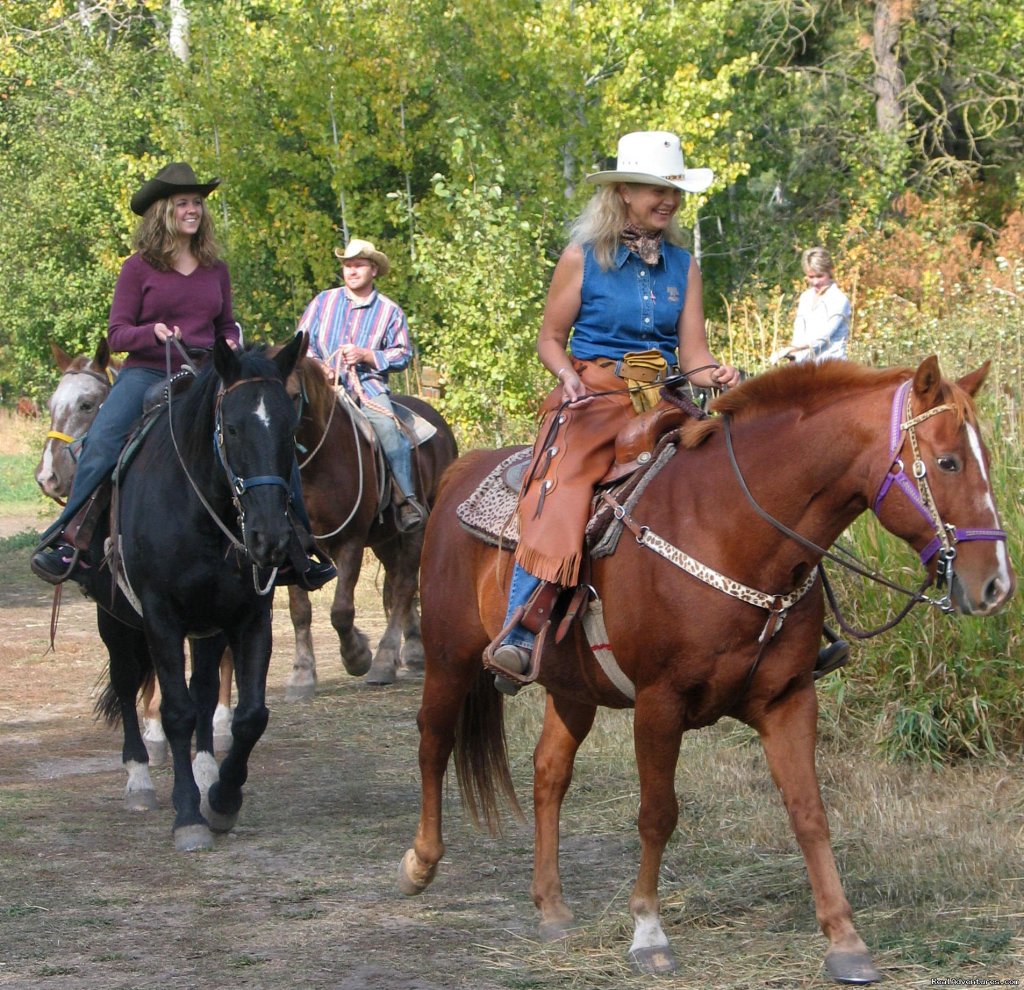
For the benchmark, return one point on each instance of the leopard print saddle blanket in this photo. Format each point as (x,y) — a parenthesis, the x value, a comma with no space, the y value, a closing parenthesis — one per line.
(490,511)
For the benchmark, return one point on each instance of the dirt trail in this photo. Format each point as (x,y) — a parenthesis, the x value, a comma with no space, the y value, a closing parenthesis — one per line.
(303,894)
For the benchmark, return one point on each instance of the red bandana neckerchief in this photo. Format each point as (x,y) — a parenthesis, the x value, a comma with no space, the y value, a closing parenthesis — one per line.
(643,243)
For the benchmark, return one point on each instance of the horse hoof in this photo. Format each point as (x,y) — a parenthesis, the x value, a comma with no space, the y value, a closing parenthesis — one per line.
(556,930)
(299,692)
(381,673)
(851,967)
(222,824)
(359,666)
(653,960)
(157,750)
(142,800)
(222,743)
(408,883)
(193,838)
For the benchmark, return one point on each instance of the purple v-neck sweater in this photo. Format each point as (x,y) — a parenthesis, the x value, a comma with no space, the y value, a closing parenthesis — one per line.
(200,304)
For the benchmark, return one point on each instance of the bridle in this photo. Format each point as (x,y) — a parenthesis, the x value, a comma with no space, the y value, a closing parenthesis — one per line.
(238,486)
(107,381)
(902,427)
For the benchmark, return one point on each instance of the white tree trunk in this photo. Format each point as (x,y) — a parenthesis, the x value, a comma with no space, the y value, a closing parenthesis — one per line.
(179,29)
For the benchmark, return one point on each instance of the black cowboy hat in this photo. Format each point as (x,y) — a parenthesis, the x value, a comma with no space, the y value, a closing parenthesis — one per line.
(171,179)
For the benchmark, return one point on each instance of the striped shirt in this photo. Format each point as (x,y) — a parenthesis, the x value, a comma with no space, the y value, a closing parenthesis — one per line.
(378,324)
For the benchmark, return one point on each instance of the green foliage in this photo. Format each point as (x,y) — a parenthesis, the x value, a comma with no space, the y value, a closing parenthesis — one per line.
(488,271)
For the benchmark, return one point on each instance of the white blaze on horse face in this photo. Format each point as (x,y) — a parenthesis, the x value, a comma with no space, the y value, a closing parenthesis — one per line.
(261,412)
(987,503)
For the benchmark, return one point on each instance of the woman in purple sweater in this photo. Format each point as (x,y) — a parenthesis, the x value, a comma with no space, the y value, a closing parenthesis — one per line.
(174,285)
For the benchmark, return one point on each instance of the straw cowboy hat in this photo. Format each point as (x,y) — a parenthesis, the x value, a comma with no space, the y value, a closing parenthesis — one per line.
(365,249)
(171,179)
(653,158)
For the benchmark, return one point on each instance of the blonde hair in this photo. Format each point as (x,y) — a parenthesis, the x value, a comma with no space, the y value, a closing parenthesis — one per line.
(817,261)
(156,237)
(601,222)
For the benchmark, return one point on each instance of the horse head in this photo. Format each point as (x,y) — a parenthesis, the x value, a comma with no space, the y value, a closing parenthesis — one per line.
(946,509)
(84,386)
(254,422)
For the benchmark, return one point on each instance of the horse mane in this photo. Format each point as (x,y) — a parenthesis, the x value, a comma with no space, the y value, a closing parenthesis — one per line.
(808,386)
(317,391)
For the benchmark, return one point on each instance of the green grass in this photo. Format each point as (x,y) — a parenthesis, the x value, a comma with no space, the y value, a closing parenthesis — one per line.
(17,480)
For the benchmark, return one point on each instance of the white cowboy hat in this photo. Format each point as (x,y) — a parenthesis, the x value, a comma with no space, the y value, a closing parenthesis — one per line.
(364,249)
(653,158)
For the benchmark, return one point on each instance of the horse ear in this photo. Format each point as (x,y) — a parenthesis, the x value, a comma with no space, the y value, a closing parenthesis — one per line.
(970,383)
(61,356)
(288,356)
(102,357)
(225,361)
(927,379)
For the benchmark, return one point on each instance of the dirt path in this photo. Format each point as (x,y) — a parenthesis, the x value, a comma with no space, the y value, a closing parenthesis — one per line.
(303,894)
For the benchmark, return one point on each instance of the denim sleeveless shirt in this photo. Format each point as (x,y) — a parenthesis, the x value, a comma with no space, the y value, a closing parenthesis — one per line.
(632,306)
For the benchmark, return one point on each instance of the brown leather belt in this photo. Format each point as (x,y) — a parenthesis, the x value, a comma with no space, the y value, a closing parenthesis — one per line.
(648,375)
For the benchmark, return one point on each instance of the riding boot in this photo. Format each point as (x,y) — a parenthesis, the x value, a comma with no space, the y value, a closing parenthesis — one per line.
(308,566)
(833,656)
(67,552)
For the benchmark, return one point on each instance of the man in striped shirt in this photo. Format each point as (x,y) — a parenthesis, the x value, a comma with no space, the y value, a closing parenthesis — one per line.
(360,336)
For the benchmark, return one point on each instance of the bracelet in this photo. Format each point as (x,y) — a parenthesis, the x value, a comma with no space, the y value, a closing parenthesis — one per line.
(558,374)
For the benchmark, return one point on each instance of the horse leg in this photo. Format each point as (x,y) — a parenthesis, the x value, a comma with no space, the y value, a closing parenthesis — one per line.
(129,665)
(251,648)
(204,688)
(222,713)
(301,685)
(657,733)
(400,584)
(566,725)
(788,731)
(178,714)
(444,691)
(153,732)
(355,648)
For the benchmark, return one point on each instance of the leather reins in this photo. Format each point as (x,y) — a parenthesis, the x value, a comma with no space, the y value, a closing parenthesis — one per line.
(903,426)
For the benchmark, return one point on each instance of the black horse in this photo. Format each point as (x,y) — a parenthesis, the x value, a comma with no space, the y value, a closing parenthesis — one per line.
(202,519)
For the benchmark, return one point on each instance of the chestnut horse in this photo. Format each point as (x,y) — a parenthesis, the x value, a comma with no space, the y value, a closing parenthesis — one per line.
(814,443)
(341,486)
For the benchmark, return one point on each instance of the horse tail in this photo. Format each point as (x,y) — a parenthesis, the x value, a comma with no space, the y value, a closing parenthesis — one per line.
(481,756)
(108,704)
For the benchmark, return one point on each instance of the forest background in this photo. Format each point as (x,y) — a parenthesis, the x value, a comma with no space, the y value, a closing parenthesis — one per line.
(456,135)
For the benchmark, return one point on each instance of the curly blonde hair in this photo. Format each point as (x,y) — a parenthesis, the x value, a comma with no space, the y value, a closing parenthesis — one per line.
(602,219)
(156,237)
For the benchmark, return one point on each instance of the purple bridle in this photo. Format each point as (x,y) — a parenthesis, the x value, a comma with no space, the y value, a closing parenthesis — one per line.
(902,425)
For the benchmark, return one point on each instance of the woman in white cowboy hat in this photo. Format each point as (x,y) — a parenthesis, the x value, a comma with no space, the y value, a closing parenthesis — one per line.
(624,312)
(174,285)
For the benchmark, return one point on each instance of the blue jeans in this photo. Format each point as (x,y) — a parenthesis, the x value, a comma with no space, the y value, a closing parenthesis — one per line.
(395,443)
(523,585)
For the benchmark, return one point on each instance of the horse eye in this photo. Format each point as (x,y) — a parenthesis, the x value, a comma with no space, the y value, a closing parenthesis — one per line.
(87,406)
(232,431)
(947,462)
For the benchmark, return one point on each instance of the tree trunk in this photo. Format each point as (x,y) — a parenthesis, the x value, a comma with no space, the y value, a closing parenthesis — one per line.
(889,79)
(178,37)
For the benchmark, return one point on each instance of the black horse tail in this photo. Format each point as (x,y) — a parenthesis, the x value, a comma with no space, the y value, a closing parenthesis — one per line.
(481,756)
(108,704)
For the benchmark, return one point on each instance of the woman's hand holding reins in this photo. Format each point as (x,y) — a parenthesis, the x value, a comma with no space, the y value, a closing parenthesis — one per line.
(162,332)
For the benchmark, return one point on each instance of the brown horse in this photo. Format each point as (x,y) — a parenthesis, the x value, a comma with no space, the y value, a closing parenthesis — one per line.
(814,443)
(341,484)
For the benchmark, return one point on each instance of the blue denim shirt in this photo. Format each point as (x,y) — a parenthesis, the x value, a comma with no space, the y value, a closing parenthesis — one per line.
(632,306)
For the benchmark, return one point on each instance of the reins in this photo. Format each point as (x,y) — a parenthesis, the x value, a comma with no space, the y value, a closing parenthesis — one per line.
(237,486)
(903,425)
